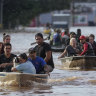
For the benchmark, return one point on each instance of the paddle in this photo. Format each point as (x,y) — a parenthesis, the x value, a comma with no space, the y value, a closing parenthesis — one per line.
(43,39)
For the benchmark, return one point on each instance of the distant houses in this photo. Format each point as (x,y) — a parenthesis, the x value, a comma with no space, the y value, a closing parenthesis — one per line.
(82,14)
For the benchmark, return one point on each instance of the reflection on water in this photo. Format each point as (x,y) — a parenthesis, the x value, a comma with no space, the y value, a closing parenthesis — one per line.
(61,82)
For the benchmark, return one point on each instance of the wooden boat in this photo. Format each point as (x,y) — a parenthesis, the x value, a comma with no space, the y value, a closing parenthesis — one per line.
(79,62)
(59,48)
(22,79)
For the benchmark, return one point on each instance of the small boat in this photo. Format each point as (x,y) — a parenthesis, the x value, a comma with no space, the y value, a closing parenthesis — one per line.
(79,62)
(21,79)
(59,48)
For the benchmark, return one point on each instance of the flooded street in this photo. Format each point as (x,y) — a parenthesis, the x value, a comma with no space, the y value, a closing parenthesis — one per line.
(61,82)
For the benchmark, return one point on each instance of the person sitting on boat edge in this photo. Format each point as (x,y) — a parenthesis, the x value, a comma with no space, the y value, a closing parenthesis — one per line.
(87,47)
(71,50)
(6,59)
(39,63)
(24,66)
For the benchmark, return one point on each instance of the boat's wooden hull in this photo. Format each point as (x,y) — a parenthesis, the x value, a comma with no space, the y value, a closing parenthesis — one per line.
(22,79)
(79,62)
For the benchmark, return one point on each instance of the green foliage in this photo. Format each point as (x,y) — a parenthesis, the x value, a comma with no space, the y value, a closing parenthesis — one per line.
(22,11)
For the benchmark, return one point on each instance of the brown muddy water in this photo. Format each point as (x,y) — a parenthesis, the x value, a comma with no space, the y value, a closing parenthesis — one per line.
(60,83)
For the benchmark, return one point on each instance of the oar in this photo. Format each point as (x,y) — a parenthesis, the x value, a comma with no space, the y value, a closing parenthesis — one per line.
(36,42)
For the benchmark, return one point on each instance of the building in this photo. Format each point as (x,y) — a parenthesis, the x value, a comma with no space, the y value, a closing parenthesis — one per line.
(84,14)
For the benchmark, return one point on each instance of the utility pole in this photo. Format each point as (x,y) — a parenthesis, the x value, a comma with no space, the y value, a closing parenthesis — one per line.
(1,14)
(72,13)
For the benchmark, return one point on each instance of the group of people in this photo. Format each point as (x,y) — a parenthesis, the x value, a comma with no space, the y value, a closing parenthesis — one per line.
(38,61)
(57,37)
(79,45)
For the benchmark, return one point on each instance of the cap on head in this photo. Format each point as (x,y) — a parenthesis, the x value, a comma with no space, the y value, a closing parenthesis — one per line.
(82,37)
(31,50)
(23,56)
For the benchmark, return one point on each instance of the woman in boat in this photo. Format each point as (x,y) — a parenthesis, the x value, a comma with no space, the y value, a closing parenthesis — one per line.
(6,38)
(25,65)
(71,50)
(87,47)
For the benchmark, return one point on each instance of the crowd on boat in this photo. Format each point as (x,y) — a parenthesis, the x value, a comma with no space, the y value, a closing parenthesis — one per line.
(76,43)
(38,61)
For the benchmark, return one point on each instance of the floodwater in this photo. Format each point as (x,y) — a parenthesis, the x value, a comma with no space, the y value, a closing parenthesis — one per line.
(61,82)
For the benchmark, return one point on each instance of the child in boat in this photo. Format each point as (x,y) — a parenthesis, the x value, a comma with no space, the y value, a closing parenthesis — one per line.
(25,66)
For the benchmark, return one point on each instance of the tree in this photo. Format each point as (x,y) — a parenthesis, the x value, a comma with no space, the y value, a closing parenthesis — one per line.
(22,11)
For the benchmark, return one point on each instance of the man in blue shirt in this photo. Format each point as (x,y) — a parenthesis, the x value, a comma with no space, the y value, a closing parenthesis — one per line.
(39,63)
(25,66)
